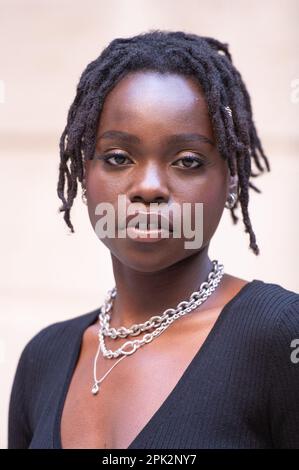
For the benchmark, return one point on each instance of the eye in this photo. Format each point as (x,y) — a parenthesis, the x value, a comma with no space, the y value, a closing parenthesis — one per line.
(119,158)
(190,160)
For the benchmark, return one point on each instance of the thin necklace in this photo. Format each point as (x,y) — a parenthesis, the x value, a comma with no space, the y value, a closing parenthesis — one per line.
(159,323)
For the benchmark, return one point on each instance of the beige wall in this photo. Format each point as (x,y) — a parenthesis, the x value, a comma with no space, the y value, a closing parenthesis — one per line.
(48,275)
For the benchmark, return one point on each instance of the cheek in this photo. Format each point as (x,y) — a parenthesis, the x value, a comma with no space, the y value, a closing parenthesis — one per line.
(214,199)
(99,190)
(99,187)
(212,193)
(213,209)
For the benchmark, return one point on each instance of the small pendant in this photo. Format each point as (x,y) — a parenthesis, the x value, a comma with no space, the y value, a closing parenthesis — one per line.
(95,389)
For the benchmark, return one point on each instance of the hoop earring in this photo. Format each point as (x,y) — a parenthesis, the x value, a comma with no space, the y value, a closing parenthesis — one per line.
(231,201)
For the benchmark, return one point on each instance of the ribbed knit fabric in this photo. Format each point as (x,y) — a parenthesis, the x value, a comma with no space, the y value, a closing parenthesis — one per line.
(241,389)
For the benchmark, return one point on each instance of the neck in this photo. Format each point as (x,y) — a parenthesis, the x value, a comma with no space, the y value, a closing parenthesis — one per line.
(141,295)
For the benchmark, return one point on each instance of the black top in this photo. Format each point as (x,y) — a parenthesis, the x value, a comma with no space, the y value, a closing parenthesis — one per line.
(240,390)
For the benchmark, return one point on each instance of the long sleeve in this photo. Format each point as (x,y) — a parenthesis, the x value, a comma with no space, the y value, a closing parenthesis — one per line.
(284,370)
(19,433)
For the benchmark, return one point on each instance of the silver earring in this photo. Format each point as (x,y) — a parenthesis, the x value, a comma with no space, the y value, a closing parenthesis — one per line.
(231,201)
(84,199)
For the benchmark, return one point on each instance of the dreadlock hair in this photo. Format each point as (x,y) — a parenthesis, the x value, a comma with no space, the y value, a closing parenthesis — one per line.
(204,58)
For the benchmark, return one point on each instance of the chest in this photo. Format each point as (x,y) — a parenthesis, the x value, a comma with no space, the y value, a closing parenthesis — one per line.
(130,395)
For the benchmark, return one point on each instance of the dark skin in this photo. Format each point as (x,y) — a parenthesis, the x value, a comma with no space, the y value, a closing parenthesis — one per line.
(151,107)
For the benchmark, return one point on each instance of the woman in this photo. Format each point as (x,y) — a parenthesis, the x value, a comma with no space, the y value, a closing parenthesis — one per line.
(163,118)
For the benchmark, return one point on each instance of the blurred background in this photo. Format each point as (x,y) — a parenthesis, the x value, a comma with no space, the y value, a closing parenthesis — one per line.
(48,274)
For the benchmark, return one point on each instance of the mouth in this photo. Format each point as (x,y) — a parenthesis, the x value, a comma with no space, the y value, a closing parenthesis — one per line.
(152,222)
(151,227)
(148,227)
(148,235)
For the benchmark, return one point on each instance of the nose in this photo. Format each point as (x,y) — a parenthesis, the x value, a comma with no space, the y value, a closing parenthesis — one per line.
(149,185)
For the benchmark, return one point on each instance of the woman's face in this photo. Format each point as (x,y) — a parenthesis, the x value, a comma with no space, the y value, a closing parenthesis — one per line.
(153,167)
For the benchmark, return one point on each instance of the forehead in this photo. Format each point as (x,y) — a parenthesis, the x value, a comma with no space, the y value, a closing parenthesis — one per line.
(151,98)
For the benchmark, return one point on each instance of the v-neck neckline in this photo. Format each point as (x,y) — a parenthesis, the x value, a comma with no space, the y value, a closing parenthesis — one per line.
(57,443)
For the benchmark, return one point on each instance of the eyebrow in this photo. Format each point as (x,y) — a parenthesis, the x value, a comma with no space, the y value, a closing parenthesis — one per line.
(171,139)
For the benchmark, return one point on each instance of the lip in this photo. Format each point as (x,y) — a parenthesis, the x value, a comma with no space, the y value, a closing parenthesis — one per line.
(164,223)
(147,236)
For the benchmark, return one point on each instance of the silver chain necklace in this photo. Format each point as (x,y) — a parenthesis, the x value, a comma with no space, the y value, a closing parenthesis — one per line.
(160,323)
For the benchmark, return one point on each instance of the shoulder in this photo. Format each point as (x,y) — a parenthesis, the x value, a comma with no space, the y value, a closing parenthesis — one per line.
(56,339)
(42,364)
(280,308)
(272,311)
(278,293)
(277,332)
(280,311)
(270,301)
(266,313)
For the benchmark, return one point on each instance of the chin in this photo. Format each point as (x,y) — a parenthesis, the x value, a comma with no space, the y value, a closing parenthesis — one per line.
(148,260)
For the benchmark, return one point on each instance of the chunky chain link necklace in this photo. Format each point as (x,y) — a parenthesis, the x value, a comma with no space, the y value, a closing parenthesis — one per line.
(160,323)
